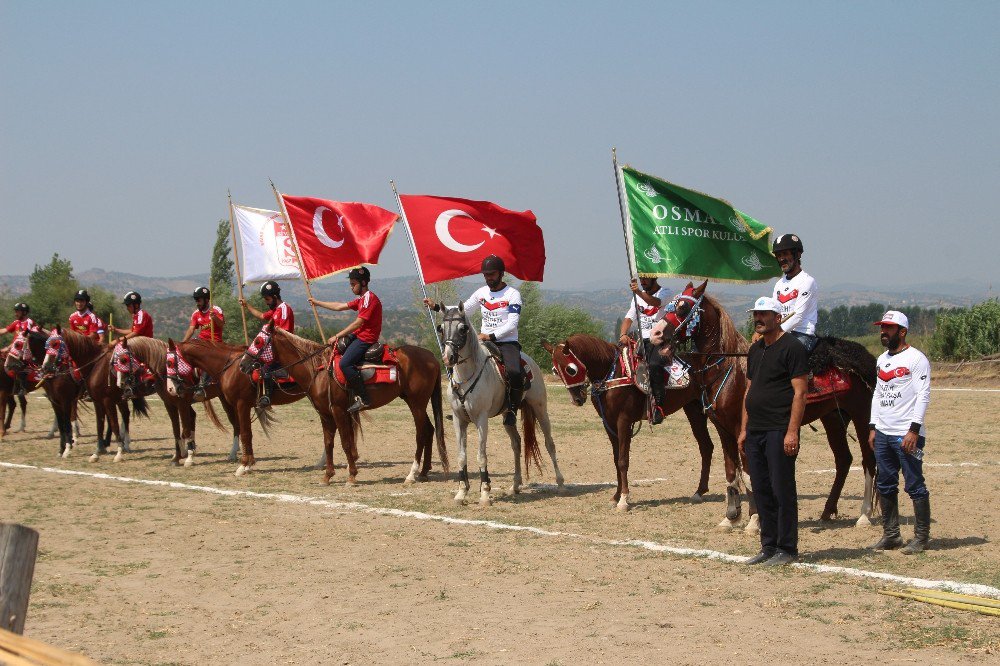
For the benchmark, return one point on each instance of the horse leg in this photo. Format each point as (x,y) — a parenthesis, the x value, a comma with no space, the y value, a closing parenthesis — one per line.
(246,438)
(65,430)
(425,439)
(24,412)
(329,432)
(54,429)
(348,442)
(122,433)
(624,443)
(175,426)
(483,426)
(868,463)
(836,435)
(234,421)
(734,481)
(6,413)
(75,419)
(699,428)
(188,418)
(461,436)
(542,416)
(515,445)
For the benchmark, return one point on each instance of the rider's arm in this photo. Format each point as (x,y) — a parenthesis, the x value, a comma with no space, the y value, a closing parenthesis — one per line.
(336,306)
(188,334)
(350,328)
(804,301)
(626,325)
(252,310)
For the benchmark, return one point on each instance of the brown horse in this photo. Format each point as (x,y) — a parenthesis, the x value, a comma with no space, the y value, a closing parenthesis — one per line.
(584,362)
(718,360)
(418,383)
(237,393)
(7,403)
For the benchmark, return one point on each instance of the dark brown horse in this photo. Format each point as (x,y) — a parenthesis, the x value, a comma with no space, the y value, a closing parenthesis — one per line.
(583,362)
(237,393)
(717,356)
(418,383)
(7,403)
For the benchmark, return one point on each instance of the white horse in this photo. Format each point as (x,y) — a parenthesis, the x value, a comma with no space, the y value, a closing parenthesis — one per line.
(478,393)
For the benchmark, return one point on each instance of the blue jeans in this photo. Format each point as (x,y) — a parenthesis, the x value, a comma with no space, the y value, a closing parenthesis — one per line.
(808,341)
(891,458)
(353,356)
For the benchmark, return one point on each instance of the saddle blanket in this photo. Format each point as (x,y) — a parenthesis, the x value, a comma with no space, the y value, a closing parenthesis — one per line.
(385,372)
(830,382)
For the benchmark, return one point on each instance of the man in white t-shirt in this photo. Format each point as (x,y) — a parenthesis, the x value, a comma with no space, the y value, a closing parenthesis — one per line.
(902,394)
(500,305)
(650,297)
(796,292)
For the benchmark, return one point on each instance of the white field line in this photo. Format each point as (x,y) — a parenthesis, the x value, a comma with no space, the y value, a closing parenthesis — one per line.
(357,507)
(970,390)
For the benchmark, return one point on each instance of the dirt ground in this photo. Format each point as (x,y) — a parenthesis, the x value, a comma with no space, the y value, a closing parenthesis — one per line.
(138,574)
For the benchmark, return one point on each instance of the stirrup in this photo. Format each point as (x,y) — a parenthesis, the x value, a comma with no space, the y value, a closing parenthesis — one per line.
(358,405)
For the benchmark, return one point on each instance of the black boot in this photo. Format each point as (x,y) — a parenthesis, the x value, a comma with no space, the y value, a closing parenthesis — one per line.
(515,393)
(264,401)
(198,394)
(921,527)
(890,524)
(360,392)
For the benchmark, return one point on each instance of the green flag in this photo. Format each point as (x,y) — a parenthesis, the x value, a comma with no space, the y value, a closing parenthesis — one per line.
(677,232)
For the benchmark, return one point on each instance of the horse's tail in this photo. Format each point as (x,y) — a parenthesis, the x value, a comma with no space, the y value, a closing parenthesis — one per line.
(140,408)
(436,407)
(212,416)
(266,420)
(531,453)
(356,432)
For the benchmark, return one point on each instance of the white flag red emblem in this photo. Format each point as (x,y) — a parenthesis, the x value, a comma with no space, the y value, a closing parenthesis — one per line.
(265,246)
(336,235)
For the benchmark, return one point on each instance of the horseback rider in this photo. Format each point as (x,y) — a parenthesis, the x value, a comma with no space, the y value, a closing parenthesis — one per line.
(142,322)
(500,305)
(281,314)
(83,320)
(22,324)
(362,333)
(652,295)
(208,320)
(796,292)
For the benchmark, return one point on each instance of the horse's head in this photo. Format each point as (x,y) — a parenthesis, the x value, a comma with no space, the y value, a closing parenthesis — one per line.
(56,353)
(19,356)
(260,353)
(568,367)
(178,370)
(455,332)
(680,320)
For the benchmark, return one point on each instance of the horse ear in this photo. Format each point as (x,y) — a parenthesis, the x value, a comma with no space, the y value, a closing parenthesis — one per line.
(547,346)
(700,289)
(461,307)
(170,344)
(440,329)
(689,287)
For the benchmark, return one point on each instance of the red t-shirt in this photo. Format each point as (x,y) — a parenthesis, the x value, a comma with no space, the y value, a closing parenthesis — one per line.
(369,309)
(86,323)
(142,323)
(209,329)
(282,316)
(22,325)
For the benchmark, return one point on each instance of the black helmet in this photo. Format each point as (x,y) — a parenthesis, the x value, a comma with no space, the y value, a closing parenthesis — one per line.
(493,263)
(787,242)
(270,288)
(132,298)
(82,295)
(361,274)
(201,292)
(22,307)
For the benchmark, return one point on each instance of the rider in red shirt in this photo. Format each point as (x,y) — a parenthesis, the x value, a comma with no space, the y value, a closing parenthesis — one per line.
(281,314)
(207,319)
(363,332)
(22,322)
(84,321)
(142,323)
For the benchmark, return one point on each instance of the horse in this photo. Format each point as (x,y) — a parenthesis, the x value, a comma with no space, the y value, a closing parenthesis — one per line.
(153,353)
(8,405)
(718,360)
(584,362)
(238,394)
(478,393)
(418,382)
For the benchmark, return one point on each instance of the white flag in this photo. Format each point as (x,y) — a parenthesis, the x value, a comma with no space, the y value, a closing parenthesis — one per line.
(266,247)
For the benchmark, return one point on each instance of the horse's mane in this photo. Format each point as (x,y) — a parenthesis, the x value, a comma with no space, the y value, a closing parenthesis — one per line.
(592,347)
(81,344)
(730,338)
(222,346)
(301,344)
(152,351)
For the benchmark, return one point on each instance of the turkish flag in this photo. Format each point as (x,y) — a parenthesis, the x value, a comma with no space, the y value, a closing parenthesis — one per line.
(335,235)
(452,237)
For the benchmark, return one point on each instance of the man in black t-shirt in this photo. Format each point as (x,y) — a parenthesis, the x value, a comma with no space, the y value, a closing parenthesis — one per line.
(777,379)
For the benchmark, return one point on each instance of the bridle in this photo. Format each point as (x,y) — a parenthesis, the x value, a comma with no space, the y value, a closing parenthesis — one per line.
(574,372)
(261,353)
(455,331)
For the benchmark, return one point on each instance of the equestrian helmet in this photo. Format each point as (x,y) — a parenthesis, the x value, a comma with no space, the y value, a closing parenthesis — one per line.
(201,292)
(82,295)
(787,242)
(132,298)
(22,307)
(361,274)
(270,288)
(493,263)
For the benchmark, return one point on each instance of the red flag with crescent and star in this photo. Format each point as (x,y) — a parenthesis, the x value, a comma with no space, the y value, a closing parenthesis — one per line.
(336,235)
(452,237)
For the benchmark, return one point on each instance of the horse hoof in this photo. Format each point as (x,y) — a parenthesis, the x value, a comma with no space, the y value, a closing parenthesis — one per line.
(119,457)
(828,517)
(189,461)
(863,521)
(65,454)
(485,500)
(422,478)
(623,507)
(409,481)
(753,525)
(326,480)
(697,499)
(350,483)
(515,490)
(725,526)
(94,458)
(241,470)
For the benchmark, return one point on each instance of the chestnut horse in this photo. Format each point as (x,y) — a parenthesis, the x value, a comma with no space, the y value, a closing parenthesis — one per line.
(584,362)
(718,367)
(237,393)
(418,383)
(7,404)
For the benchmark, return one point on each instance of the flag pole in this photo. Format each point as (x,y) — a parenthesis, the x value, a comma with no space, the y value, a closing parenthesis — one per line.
(239,274)
(628,247)
(298,256)
(416,264)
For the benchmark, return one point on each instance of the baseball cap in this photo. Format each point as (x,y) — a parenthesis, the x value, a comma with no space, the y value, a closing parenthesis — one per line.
(894,317)
(765,304)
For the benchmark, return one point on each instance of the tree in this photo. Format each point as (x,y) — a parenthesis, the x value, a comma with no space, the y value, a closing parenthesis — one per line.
(966,334)
(222,282)
(52,289)
(552,322)
(445,293)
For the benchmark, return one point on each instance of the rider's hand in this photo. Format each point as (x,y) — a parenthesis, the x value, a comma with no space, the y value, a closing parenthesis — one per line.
(623,340)
(634,286)
(484,336)
(242,302)
(312,301)
(332,341)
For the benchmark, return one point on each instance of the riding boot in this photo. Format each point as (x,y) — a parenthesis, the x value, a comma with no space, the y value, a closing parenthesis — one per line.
(658,393)
(890,524)
(264,401)
(360,392)
(921,527)
(198,394)
(514,397)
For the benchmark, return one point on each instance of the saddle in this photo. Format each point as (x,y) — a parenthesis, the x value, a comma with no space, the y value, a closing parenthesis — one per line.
(831,364)
(381,364)
(497,355)
(674,377)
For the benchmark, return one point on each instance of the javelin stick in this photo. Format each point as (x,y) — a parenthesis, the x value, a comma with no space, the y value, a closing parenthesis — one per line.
(298,257)
(629,250)
(239,275)
(416,264)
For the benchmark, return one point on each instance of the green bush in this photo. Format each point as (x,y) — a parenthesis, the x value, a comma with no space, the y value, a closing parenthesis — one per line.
(967,334)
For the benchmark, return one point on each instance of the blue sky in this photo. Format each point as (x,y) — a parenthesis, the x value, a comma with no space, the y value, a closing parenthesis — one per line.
(870,129)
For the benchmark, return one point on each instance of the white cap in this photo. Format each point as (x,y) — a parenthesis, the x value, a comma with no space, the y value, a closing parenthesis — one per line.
(894,317)
(765,304)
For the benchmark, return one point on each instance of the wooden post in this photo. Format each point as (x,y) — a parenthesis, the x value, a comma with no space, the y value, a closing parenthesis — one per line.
(239,274)
(18,548)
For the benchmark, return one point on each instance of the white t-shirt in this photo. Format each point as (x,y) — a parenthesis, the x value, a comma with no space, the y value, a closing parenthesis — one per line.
(798,298)
(501,311)
(902,392)
(648,315)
